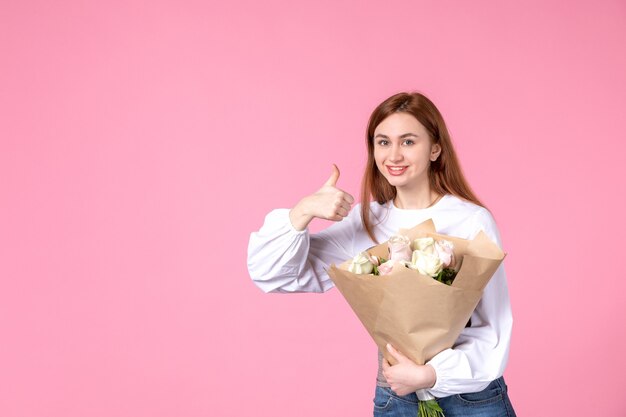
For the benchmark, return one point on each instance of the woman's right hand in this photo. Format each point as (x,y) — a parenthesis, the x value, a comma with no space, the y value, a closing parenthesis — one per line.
(329,203)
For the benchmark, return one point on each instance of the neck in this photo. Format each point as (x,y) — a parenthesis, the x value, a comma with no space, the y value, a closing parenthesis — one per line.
(418,198)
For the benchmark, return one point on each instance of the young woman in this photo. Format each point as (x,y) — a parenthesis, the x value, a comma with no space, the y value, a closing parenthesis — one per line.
(412,175)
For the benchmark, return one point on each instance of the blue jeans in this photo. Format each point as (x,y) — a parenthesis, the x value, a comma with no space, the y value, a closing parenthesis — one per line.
(493,401)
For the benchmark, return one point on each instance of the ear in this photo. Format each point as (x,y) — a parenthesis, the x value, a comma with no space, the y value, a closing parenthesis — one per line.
(435,151)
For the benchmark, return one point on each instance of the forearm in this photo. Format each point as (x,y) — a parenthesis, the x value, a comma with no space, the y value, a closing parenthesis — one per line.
(299,218)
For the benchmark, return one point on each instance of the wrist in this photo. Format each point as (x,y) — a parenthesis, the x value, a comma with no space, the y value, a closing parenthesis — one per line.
(301,209)
(430,376)
(299,217)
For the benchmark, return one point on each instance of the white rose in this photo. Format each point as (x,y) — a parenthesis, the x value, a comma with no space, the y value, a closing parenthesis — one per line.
(361,264)
(426,263)
(424,244)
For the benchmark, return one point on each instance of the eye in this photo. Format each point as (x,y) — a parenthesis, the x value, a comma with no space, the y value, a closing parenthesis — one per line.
(380,142)
(409,141)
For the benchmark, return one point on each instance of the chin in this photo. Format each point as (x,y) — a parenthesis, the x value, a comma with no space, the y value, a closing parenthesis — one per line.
(396,182)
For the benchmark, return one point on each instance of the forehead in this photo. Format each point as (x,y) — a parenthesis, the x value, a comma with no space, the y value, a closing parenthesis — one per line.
(400,123)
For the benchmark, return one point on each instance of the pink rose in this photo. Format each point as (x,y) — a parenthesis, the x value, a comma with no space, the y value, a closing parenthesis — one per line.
(373,259)
(385,268)
(445,251)
(399,248)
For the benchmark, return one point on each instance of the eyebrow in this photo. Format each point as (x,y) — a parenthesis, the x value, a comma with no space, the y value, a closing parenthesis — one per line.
(406,135)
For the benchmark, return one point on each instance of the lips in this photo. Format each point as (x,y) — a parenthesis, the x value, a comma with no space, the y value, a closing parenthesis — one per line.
(396,170)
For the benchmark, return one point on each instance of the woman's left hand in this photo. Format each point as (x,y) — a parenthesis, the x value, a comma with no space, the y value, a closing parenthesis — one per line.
(406,376)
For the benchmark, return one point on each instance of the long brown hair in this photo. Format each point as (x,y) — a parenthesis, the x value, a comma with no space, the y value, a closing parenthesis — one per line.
(445,173)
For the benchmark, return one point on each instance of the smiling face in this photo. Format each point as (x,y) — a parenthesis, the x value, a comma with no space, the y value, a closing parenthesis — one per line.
(403,151)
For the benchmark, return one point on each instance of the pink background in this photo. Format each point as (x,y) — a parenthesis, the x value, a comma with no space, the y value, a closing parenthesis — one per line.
(142,142)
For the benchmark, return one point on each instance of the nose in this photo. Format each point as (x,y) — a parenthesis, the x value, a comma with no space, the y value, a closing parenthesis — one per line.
(395,154)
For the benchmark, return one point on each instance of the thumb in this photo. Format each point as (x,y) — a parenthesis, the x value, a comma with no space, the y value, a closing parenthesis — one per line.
(399,356)
(333,177)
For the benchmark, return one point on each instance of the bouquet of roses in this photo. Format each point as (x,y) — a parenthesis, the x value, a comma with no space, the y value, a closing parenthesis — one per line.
(417,291)
(426,255)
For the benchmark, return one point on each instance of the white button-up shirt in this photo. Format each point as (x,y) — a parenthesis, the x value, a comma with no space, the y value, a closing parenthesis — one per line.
(283,259)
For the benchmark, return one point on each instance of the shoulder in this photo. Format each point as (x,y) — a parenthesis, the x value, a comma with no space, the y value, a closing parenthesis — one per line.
(460,204)
(478,217)
(469,209)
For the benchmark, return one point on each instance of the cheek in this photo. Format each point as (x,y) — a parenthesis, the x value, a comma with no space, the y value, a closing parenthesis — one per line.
(419,155)
(378,158)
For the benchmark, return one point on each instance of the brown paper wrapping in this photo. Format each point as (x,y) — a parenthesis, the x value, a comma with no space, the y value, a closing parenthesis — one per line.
(417,314)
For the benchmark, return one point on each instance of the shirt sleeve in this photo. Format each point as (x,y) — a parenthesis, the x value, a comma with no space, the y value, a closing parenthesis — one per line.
(282,259)
(481,352)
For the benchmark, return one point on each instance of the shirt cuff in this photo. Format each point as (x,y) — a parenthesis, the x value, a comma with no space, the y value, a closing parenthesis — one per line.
(440,371)
(284,215)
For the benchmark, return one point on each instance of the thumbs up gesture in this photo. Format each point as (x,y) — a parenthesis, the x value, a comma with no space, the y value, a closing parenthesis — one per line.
(334,176)
(329,202)
(406,376)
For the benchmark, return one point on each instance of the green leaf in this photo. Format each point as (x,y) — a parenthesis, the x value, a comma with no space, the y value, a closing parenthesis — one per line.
(446,276)
(433,405)
(429,408)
